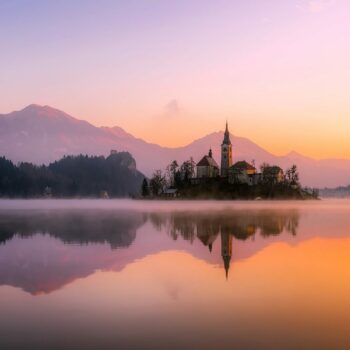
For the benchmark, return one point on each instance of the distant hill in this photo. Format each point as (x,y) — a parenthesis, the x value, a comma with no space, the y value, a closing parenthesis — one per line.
(338,192)
(42,134)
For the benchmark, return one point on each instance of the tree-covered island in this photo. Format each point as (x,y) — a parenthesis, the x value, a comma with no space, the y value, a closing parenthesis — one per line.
(240,180)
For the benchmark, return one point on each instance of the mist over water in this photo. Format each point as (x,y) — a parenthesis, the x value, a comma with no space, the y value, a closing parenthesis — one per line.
(167,205)
(174,274)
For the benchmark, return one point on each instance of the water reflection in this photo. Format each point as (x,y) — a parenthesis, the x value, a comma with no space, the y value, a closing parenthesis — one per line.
(240,225)
(32,257)
(117,229)
(102,275)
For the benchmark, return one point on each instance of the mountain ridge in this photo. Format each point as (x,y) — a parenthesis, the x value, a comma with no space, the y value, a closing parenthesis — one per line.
(42,134)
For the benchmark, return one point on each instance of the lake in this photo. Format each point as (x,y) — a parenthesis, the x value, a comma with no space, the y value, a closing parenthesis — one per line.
(122,274)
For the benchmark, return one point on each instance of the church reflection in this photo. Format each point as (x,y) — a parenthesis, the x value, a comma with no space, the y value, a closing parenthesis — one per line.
(226,250)
(230,226)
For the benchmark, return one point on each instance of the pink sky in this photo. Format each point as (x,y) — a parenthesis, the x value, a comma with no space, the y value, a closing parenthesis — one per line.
(170,72)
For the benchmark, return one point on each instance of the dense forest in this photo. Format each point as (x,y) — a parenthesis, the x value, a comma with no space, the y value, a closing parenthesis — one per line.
(72,176)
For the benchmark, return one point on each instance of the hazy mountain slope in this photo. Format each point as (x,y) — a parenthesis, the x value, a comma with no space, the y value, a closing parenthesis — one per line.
(44,134)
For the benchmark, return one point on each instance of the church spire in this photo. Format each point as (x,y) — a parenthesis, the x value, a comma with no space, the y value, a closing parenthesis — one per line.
(227,140)
(226,153)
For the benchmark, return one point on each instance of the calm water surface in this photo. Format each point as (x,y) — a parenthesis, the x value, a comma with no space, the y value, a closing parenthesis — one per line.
(174,275)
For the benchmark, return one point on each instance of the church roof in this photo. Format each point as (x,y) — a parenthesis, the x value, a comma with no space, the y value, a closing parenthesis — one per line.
(207,161)
(242,165)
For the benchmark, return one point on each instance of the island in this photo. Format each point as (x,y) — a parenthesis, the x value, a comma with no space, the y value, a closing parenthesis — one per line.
(239,180)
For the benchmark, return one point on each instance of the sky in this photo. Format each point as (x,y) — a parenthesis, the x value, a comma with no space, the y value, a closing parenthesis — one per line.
(173,71)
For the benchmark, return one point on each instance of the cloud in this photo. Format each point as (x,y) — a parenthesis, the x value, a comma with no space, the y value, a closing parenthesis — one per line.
(172,108)
(315,6)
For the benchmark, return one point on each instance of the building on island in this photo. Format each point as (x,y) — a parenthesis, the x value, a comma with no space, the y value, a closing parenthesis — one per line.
(240,172)
(207,167)
(273,174)
(226,153)
(244,173)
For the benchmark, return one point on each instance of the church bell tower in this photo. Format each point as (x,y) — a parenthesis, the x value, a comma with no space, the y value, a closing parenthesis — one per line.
(226,153)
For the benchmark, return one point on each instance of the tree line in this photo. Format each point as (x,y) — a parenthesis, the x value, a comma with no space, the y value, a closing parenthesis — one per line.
(175,176)
(72,176)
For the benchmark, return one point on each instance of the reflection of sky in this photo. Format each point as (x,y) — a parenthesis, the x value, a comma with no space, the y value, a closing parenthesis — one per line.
(281,295)
(276,69)
(78,243)
(283,290)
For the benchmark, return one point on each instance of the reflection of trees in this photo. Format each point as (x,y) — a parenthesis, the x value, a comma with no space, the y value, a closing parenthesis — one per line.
(241,224)
(183,226)
(274,224)
(117,229)
(158,221)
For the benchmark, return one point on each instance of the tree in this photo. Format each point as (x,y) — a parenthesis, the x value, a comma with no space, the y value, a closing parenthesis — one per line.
(157,183)
(171,172)
(145,189)
(178,179)
(266,176)
(292,176)
(264,166)
(188,169)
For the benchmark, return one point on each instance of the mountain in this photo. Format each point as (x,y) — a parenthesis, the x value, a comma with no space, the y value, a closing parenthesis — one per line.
(42,134)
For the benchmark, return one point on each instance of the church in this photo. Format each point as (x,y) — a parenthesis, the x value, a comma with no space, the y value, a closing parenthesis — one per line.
(207,166)
(242,171)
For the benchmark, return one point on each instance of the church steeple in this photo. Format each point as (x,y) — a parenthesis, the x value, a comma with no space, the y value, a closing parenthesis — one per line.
(226,249)
(226,140)
(226,153)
